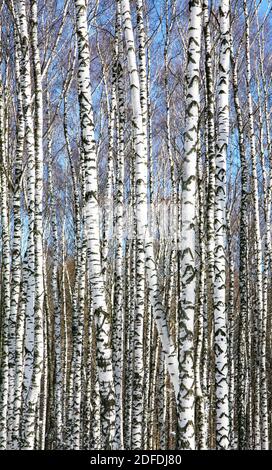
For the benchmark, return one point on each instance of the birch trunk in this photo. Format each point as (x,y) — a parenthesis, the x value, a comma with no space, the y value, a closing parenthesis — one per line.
(35,385)
(5,287)
(220,320)
(141,203)
(186,401)
(104,353)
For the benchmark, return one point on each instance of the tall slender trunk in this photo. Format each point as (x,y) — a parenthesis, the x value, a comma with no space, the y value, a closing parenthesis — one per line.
(243,274)
(220,320)
(29,262)
(118,308)
(16,337)
(186,402)
(5,284)
(58,399)
(35,385)
(141,205)
(200,358)
(258,308)
(101,315)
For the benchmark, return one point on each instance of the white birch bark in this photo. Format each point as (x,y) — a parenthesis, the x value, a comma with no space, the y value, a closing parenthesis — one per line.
(200,356)
(58,380)
(220,320)
(35,384)
(104,353)
(243,273)
(231,339)
(5,287)
(118,307)
(141,201)
(186,402)
(211,157)
(29,262)
(258,252)
(15,336)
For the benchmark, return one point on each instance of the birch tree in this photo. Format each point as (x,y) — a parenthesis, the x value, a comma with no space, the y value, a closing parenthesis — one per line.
(220,321)
(104,353)
(135,225)
(186,402)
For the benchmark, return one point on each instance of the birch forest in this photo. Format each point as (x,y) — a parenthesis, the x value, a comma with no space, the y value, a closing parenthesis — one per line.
(135,224)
